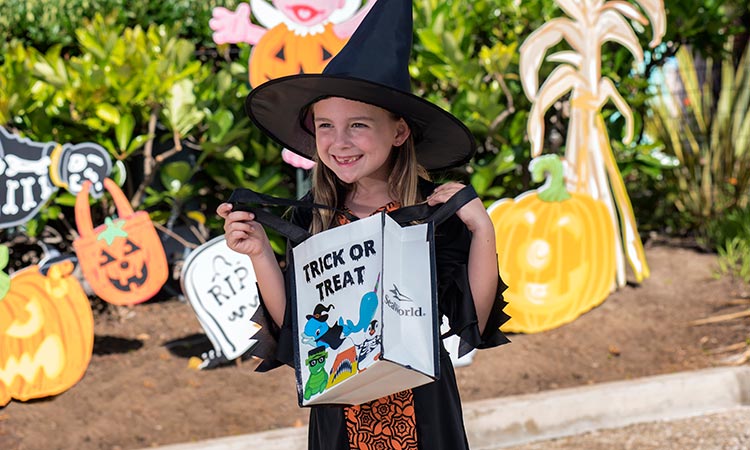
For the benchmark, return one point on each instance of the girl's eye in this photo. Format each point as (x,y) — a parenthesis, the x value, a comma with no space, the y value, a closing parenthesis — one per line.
(359,125)
(324,125)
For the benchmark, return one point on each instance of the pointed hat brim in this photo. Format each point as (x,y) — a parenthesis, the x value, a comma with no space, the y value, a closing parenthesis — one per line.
(279,107)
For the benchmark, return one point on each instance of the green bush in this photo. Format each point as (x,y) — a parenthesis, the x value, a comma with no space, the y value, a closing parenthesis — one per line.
(709,135)
(175,125)
(43,24)
(136,83)
(729,235)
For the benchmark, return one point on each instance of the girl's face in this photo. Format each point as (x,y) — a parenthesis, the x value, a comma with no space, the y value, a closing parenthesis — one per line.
(355,139)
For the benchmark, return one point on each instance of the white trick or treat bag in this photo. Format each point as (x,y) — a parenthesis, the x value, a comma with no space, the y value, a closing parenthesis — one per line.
(364,301)
(363,291)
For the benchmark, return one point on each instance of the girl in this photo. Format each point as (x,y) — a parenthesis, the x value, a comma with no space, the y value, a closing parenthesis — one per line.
(373,142)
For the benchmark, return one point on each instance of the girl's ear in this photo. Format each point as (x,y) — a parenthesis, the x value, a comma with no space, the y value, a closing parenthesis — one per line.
(402,132)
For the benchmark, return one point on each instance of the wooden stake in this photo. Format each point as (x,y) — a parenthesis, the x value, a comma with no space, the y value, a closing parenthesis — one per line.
(721,318)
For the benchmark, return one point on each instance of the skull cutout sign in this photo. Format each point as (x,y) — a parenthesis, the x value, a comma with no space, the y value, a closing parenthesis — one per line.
(30,172)
(123,259)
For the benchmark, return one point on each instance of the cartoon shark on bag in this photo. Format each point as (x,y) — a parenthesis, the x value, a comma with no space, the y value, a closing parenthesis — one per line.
(30,172)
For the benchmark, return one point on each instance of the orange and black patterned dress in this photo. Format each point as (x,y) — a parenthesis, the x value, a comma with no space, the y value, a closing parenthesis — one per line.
(428,417)
(388,422)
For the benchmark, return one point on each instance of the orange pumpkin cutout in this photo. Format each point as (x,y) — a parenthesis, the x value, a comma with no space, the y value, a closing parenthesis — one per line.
(281,52)
(555,251)
(123,259)
(46,333)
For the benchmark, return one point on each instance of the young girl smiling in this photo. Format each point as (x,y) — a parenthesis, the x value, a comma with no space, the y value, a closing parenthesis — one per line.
(373,142)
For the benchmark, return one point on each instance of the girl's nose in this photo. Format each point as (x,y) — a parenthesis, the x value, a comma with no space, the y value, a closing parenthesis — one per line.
(341,138)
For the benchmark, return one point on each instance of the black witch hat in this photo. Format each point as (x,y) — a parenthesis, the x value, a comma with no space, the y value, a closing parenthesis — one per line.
(373,67)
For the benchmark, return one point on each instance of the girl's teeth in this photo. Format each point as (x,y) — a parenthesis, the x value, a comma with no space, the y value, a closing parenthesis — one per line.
(348,160)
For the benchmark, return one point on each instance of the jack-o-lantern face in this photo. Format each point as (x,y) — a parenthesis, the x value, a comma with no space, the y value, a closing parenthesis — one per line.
(281,52)
(46,333)
(123,259)
(124,264)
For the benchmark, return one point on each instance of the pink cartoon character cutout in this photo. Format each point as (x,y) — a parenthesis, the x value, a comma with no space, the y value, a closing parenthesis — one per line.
(294,36)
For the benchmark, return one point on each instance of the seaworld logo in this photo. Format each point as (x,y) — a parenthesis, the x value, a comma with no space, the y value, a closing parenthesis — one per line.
(395,300)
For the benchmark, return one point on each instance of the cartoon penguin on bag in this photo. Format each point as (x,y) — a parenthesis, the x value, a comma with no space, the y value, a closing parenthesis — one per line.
(30,172)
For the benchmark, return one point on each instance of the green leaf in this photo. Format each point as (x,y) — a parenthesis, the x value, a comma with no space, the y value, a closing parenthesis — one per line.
(174,175)
(220,124)
(65,199)
(136,143)
(91,43)
(4,285)
(96,124)
(4,257)
(180,110)
(431,41)
(124,131)
(234,153)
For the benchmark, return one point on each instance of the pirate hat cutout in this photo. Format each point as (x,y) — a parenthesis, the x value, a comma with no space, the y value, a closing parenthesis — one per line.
(373,67)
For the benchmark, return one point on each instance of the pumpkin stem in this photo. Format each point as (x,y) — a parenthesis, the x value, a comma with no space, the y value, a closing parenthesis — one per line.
(549,166)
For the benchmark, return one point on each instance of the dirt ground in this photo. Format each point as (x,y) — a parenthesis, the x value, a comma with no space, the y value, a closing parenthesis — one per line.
(139,391)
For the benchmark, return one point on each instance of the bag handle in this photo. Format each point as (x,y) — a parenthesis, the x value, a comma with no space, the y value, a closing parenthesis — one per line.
(83,211)
(241,198)
(436,214)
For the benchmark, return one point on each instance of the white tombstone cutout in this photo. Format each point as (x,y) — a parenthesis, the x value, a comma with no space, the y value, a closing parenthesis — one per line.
(220,285)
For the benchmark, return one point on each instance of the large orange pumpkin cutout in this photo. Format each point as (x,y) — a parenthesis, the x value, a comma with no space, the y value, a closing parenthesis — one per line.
(554,250)
(46,333)
(123,259)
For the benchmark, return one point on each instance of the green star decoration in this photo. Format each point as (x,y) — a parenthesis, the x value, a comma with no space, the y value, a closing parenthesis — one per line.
(113,230)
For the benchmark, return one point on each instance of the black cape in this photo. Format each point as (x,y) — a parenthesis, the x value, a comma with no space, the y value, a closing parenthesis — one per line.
(437,404)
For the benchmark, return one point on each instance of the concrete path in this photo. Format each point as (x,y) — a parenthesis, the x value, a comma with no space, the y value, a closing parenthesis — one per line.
(729,430)
(519,420)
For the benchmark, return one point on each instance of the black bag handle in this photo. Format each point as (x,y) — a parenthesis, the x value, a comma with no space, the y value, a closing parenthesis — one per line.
(436,214)
(242,199)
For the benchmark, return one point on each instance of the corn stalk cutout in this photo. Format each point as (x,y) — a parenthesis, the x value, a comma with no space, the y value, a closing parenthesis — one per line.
(588,154)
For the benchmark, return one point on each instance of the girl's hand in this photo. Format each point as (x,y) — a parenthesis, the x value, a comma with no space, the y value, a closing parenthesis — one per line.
(472,214)
(242,232)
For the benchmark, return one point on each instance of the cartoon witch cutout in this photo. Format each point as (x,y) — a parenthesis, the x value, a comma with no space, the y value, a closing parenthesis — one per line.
(294,36)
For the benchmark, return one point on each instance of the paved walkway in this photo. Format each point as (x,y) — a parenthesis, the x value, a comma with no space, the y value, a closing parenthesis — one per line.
(723,431)
(701,410)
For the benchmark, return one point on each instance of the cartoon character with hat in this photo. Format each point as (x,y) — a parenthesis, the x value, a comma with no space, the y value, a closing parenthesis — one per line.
(374,143)
(318,332)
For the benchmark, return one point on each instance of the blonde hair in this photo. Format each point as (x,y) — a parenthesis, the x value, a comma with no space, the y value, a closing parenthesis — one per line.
(403,181)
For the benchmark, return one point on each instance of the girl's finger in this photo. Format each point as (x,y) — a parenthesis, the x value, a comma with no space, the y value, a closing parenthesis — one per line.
(241,226)
(224,209)
(240,216)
